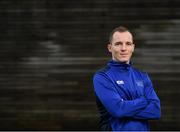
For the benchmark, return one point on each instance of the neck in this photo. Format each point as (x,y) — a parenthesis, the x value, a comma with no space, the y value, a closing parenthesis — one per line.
(127,62)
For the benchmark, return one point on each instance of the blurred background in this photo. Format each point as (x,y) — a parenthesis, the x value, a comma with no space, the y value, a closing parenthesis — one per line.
(50,49)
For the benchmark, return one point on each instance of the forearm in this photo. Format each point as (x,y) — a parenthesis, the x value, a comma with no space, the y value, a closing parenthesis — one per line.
(152,111)
(123,108)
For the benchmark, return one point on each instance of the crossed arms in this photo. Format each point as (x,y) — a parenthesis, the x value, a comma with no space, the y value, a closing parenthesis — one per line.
(143,107)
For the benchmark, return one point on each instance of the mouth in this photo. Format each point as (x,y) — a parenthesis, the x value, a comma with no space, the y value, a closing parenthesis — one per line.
(123,54)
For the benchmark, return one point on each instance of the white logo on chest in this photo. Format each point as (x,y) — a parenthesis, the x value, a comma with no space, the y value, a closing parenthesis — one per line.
(120,82)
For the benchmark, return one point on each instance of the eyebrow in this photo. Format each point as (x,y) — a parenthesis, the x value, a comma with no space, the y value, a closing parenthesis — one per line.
(122,42)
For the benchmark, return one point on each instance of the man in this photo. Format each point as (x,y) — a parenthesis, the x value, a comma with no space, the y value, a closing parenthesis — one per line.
(125,96)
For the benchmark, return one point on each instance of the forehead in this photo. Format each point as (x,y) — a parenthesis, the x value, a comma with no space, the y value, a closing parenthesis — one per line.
(122,36)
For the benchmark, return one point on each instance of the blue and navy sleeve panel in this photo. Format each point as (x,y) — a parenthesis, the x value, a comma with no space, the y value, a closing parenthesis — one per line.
(144,107)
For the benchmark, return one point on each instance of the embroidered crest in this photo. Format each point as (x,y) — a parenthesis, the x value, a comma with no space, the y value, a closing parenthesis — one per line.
(140,83)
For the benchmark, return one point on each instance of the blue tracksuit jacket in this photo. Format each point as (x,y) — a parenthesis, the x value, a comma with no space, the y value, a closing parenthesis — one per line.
(125,98)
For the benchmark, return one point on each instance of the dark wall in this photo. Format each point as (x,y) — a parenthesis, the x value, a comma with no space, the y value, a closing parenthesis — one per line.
(50,50)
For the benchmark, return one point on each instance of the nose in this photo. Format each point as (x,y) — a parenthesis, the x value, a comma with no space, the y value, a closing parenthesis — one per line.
(123,47)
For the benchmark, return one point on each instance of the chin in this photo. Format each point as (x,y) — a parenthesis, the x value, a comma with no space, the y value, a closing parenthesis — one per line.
(123,61)
(127,62)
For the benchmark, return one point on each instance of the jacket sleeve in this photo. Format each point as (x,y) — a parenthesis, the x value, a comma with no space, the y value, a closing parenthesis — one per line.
(113,102)
(153,109)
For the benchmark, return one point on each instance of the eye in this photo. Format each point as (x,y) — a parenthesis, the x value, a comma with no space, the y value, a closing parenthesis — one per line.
(129,43)
(118,43)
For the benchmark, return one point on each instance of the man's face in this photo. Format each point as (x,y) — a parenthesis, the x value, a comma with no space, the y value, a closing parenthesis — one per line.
(121,46)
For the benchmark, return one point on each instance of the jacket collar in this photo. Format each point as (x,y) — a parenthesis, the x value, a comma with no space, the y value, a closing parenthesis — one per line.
(119,65)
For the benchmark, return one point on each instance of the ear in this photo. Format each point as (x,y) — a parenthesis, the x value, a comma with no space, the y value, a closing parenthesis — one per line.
(133,47)
(109,46)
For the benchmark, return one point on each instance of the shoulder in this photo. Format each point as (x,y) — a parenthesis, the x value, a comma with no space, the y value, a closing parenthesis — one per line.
(103,70)
(138,71)
(141,73)
(101,73)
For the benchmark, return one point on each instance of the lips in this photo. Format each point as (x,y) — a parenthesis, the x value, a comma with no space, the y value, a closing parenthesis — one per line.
(123,54)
